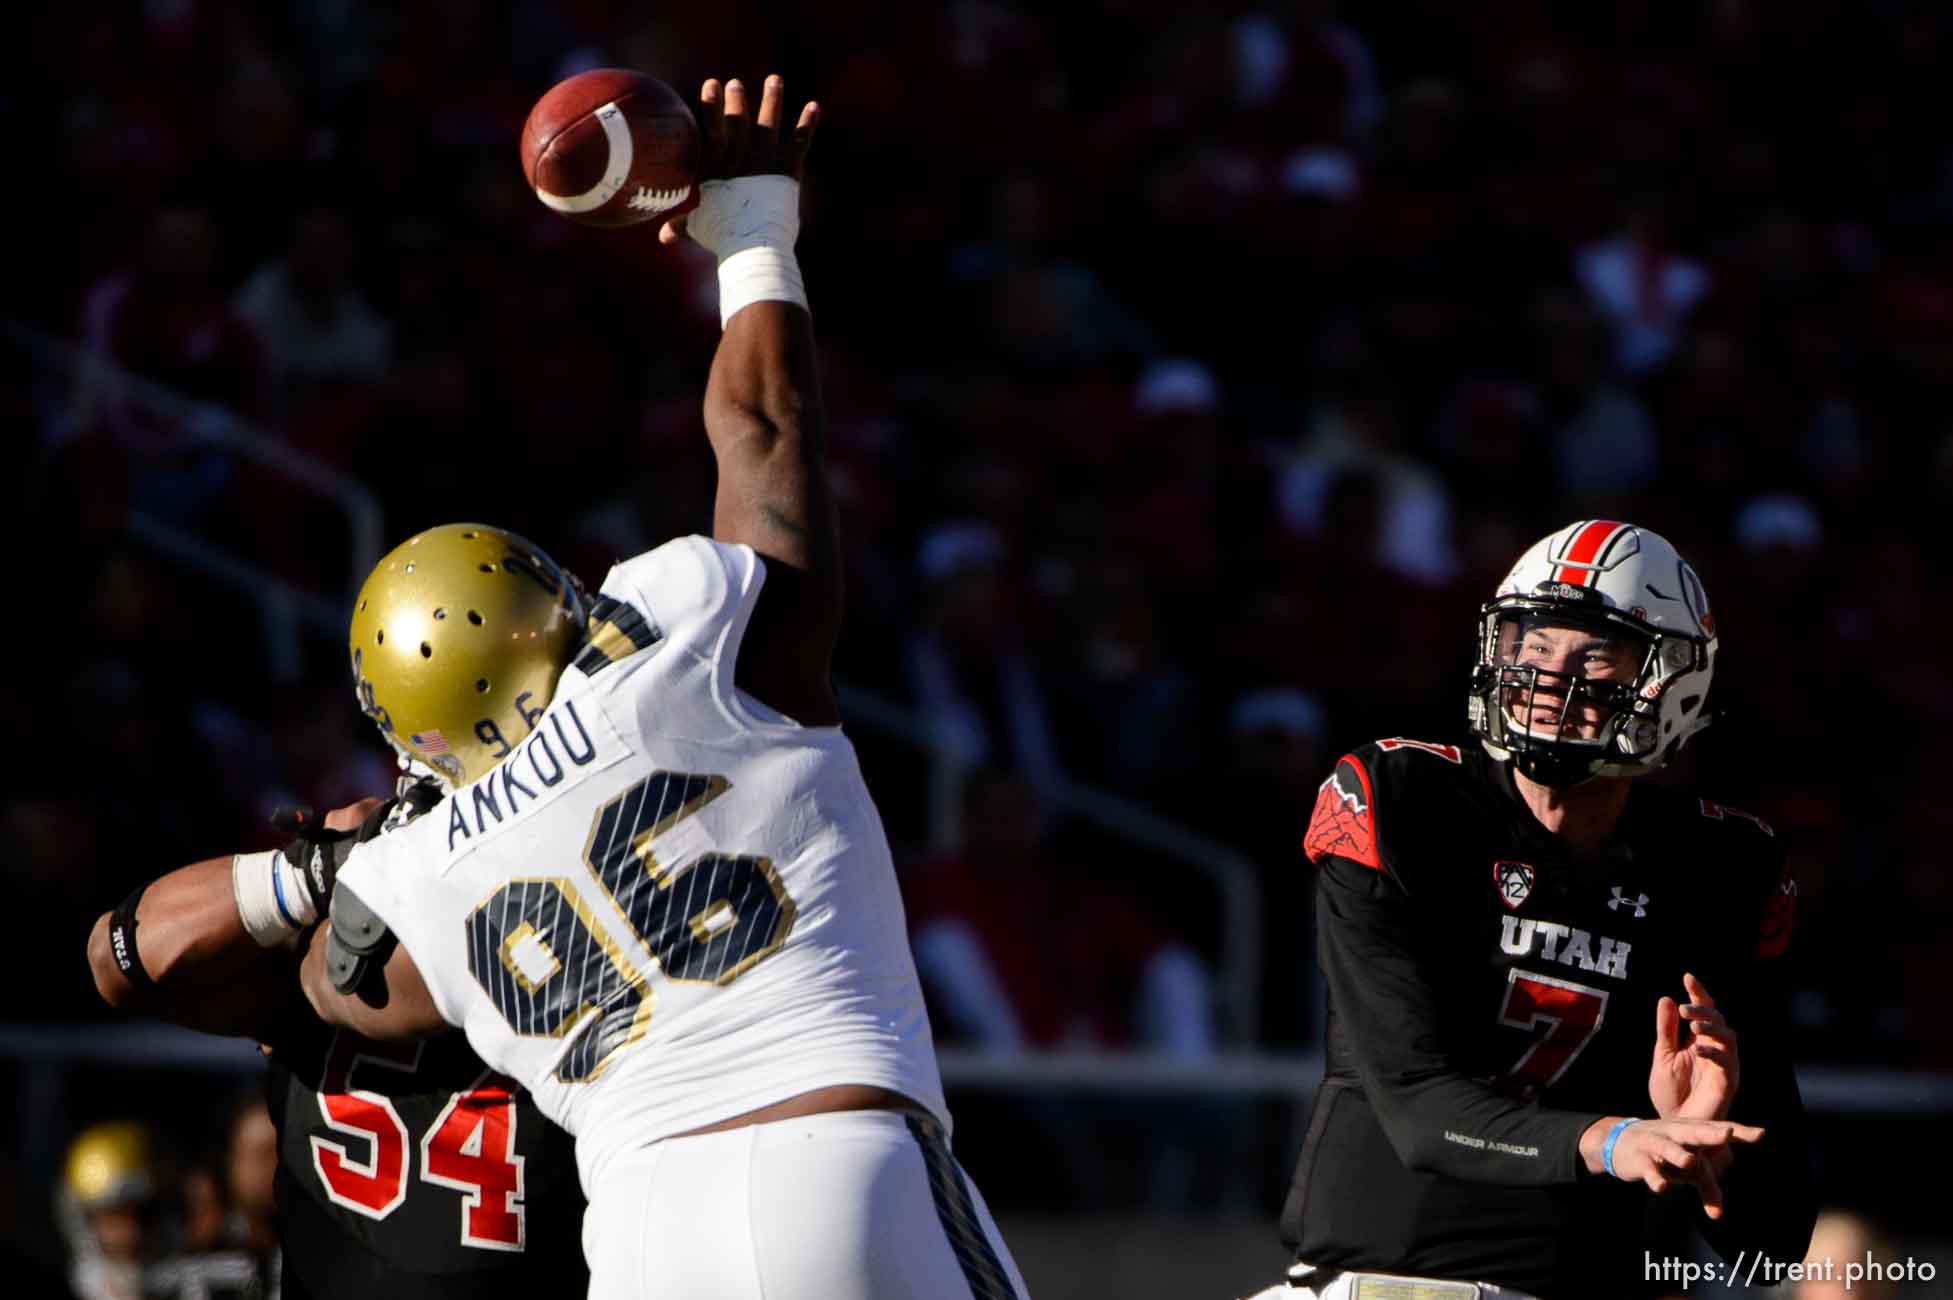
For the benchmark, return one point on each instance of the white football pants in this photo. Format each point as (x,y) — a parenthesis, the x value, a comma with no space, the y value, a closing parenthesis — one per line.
(855,1205)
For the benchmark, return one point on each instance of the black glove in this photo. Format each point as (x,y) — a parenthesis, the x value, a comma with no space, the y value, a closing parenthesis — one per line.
(314,850)
(318,852)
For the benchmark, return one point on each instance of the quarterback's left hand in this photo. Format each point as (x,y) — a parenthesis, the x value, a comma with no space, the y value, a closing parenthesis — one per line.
(1698,1081)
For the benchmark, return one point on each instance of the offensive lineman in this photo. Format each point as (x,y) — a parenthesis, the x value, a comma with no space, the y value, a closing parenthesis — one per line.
(408,1170)
(1498,926)
(660,894)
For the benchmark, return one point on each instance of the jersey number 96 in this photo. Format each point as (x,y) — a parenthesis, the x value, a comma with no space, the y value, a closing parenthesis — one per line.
(544,960)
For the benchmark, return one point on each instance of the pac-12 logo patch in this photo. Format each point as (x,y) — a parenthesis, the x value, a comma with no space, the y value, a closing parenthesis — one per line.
(1515,882)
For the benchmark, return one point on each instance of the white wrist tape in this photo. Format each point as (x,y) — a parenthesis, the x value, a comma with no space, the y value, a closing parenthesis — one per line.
(750,224)
(272,900)
(759,275)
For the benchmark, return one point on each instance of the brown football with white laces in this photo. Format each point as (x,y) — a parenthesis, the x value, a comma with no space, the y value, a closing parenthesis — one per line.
(612,147)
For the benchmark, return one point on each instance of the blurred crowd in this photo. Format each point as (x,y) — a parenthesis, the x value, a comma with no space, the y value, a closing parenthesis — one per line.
(147,1212)
(1193,372)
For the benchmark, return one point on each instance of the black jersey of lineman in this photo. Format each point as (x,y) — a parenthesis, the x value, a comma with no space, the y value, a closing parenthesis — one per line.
(412,1171)
(1491,995)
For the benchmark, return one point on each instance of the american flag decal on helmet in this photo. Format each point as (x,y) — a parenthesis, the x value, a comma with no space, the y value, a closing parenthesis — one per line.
(1590,547)
(428,742)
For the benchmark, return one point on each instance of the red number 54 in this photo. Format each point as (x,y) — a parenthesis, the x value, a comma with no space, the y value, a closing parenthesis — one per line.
(469,1147)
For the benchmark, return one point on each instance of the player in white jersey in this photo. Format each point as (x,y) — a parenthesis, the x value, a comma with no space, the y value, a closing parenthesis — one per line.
(659,894)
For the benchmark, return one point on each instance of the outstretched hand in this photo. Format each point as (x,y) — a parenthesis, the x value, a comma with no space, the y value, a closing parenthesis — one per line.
(1697,1080)
(734,142)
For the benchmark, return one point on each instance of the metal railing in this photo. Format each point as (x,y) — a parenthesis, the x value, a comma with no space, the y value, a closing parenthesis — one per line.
(1233,878)
(1826,1089)
(214,425)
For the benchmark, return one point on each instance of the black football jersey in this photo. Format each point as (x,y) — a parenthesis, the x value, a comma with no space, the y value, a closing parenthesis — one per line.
(412,1170)
(1492,994)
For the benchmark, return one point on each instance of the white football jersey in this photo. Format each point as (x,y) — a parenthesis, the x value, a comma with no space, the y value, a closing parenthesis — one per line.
(668,904)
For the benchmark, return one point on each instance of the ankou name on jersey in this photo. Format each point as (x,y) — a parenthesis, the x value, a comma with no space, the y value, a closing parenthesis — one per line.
(539,761)
(1568,945)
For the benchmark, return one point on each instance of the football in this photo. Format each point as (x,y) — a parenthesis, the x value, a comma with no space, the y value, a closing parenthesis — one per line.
(612,147)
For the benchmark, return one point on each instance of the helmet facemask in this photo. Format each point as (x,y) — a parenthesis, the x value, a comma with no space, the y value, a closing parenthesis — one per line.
(1569,689)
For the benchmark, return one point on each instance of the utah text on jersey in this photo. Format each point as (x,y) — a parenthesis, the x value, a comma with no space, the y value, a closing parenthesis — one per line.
(1569,945)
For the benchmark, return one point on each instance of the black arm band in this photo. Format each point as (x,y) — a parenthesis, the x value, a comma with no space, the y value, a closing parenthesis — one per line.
(122,939)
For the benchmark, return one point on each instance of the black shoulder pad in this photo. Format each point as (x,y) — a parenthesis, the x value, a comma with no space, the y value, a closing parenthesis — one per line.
(358,943)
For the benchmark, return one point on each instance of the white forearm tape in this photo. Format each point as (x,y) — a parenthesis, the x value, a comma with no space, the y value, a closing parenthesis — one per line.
(272,900)
(750,224)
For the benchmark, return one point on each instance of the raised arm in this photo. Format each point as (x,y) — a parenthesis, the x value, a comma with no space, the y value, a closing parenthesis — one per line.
(762,400)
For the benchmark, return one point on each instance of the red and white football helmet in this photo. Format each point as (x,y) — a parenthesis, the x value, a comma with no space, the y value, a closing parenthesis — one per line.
(1622,583)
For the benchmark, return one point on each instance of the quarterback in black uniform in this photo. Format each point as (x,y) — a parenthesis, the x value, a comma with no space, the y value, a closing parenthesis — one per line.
(1501,926)
(408,1171)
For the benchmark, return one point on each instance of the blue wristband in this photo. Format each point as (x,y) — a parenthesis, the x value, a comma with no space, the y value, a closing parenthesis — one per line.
(1607,1148)
(278,892)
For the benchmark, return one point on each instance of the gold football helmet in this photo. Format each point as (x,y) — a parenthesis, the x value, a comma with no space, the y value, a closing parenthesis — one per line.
(109,1164)
(458,638)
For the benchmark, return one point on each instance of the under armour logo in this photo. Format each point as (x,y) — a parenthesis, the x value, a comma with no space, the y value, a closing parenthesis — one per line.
(1639,903)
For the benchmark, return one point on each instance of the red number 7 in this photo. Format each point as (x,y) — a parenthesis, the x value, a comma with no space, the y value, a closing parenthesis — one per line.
(1572,1012)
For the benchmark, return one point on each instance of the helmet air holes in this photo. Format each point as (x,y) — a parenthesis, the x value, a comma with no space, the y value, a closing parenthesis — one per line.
(440,613)
(471,536)
(474,616)
(410,566)
(380,637)
(426,650)
(481,685)
(488,568)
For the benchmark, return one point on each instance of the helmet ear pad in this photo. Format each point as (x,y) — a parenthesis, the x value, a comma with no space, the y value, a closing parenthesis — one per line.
(458,638)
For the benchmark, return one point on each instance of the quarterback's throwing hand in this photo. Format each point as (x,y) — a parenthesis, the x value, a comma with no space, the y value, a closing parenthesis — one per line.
(1697,1080)
(735,142)
(1665,1152)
